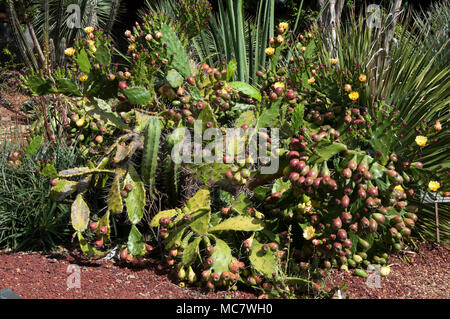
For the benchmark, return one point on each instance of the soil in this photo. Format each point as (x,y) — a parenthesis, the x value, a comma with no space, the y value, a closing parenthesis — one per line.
(40,276)
(427,276)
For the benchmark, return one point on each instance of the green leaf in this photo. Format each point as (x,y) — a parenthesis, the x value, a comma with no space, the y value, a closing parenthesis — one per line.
(297,118)
(68,87)
(136,244)
(80,214)
(174,78)
(62,189)
(263,262)
(39,86)
(34,145)
(138,96)
(141,121)
(200,222)
(50,171)
(165,213)
(222,256)
(323,154)
(103,54)
(207,115)
(269,116)
(88,249)
(231,69)
(377,170)
(247,89)
(239,223)
(247,117)
(135,201)
(82,60)
(103,110)
(240,203)
(279,184)
(82,171)
(189,253)
(180,59)
(114,199)
(201,199)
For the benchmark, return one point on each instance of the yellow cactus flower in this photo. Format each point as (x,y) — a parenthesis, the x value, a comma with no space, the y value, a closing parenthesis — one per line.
(279,85)
(421,140)
(334,61)
(83,77)
(353,96)
(270,51)
(399,187)
(280,39)
(311,81)
(362,78)
(89,30)
(69,51)
(434,186)
(347,88)
(132,47)
(284,25)
(309,232)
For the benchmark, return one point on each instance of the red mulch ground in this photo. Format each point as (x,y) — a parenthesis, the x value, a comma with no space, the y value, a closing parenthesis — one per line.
(34,275)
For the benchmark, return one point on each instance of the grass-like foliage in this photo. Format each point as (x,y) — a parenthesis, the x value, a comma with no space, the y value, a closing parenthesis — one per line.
(28,218)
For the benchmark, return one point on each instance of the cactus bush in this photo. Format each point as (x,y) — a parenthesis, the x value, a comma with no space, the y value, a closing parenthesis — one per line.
(339,197)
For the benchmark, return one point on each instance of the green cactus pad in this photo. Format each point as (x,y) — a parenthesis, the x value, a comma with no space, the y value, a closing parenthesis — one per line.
(222,256)
(136,244)
(135,201)
(80,214)
(115,203)
(189,253)
(239,223)
(263,262)
(63,189)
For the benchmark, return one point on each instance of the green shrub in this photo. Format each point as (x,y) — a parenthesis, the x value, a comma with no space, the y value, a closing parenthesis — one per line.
(28,217)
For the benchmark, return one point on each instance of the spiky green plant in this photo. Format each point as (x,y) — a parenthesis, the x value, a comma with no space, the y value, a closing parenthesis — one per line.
(409,77)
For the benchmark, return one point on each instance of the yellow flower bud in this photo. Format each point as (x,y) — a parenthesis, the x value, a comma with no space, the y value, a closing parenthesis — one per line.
(309,232)
(278,84)
(362,78)
(83,77)
(421,140)
(69,51)
(284,25)
(270,51)
(434,186)
(334,61)
(89,30)
(353,96)
(347,88)
(311,81)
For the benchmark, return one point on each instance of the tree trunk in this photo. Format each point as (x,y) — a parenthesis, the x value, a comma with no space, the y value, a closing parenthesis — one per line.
(330,19)
(391,22)
(36,42)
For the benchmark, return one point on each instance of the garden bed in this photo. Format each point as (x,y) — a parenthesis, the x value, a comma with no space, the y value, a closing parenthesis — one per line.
(39,276)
